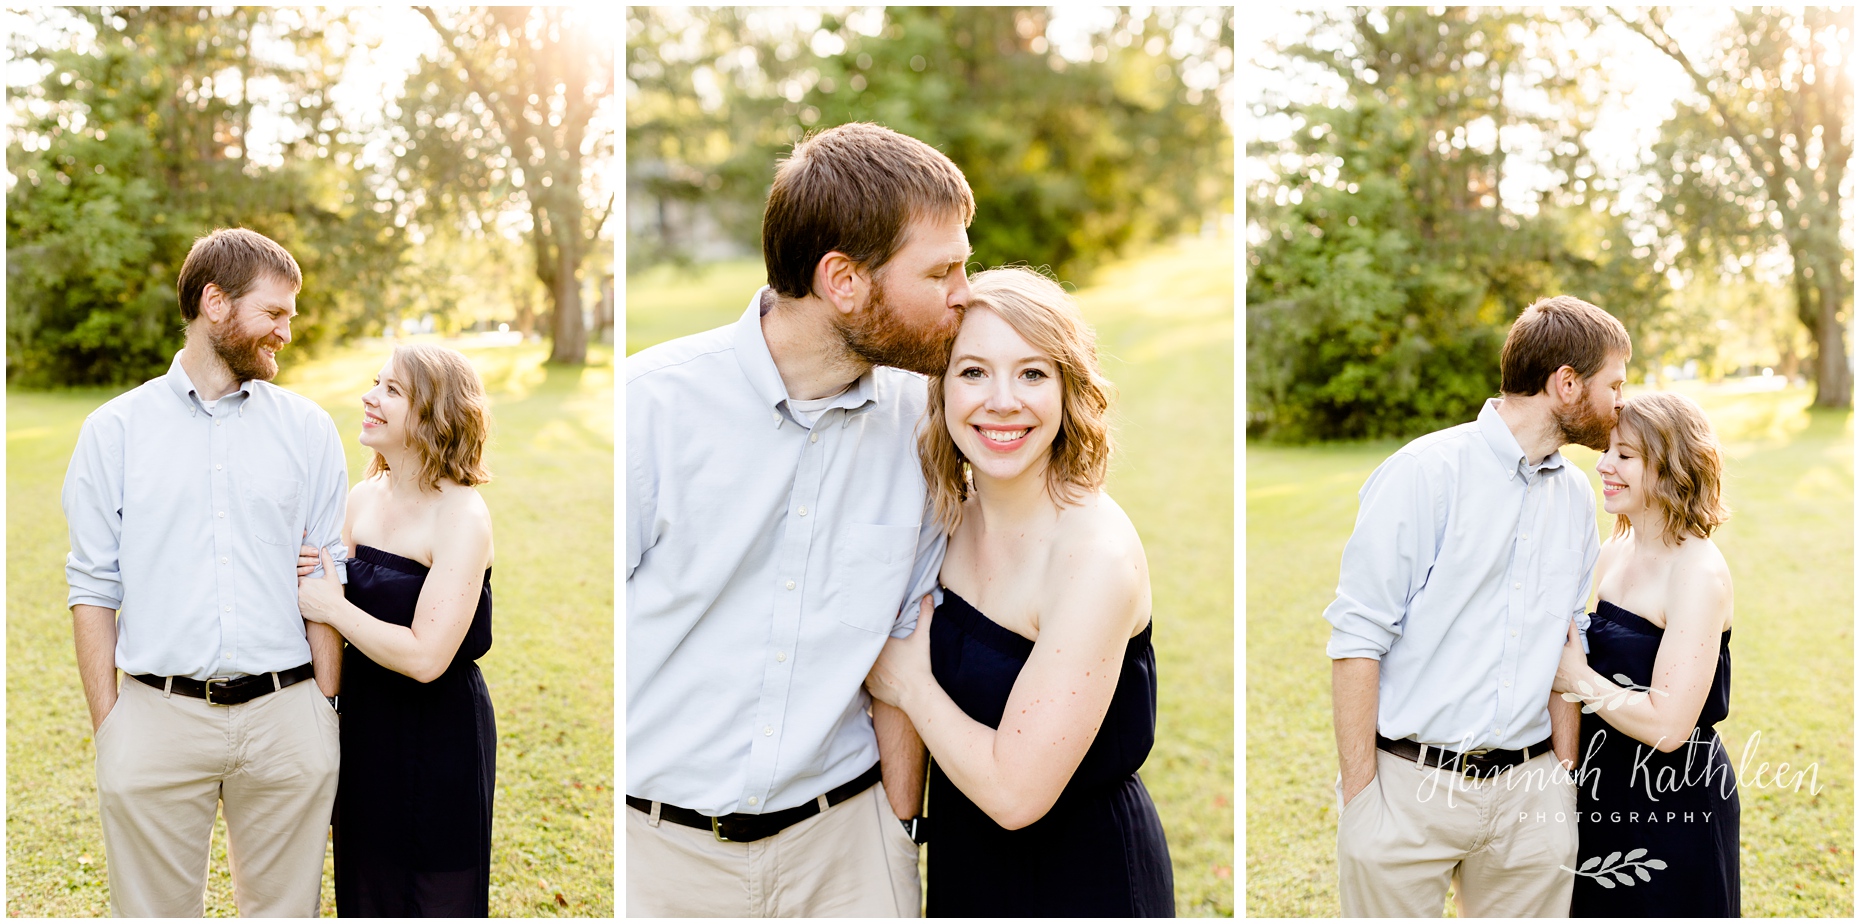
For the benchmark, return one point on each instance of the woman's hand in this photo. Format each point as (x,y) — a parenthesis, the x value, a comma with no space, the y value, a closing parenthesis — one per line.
(1573,667)
(319,598)
(904,663)
(306,560)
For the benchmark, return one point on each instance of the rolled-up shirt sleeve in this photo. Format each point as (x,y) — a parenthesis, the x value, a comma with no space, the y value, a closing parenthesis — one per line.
(93,504)
(932,541)
(1386,561)
(329,495)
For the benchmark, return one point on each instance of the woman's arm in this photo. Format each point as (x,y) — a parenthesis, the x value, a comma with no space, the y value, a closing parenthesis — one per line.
(1016,772)
(1698,599)
(448,600)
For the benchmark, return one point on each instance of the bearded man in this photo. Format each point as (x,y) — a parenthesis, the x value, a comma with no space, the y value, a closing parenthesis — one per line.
(776,534)
(187,498)
(1471,557)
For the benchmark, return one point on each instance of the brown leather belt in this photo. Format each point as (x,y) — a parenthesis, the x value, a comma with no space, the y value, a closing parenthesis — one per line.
(742,828)
(228,691)
(1487,762)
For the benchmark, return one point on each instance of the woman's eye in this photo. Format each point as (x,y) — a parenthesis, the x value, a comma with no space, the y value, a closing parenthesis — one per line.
(1033,375)
(972,372)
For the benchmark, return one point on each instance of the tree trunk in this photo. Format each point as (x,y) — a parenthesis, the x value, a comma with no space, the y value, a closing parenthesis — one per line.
(1834,385)
(571,335)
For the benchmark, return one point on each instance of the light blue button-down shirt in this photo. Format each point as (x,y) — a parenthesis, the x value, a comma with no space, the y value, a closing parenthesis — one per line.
(187,521)
(767,561)
(1465,570)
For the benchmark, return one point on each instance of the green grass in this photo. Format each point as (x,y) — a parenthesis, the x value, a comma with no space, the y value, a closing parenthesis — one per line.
(1165,331)
(1790,546)
(550,671)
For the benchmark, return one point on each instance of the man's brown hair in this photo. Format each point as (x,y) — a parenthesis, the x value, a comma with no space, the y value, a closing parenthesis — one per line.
(233,259)
(1558,331)
(853,188)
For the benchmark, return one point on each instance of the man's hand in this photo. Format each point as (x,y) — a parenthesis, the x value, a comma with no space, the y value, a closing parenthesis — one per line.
(1353,691)
(94,630)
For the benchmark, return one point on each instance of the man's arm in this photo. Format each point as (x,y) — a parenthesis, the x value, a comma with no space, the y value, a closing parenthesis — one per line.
(1353,693)
(1565,729)
(325,656)
(94,629)
(325,529)
(900,759)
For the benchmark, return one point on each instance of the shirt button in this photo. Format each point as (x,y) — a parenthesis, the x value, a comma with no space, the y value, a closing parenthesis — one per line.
(1507,683)
(1517,587)
(1524,536)
(790,585)
(768,730)
(227,608)
(216,423)
(222,559)
(227,656)
(216,466)
(1514,633)
(1497,731)
(804,511)
(813,437)
(753,800)
(781,656)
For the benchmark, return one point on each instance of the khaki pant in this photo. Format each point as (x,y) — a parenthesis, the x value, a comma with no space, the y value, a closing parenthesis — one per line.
(1506,844)
(853,860)
(165,763)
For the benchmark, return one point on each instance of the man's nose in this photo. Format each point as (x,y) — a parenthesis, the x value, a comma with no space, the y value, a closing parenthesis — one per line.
(959,293)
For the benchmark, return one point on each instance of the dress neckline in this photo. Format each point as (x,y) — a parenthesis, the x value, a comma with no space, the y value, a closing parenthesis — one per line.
(393,562)
(1628,619)
(1001,638)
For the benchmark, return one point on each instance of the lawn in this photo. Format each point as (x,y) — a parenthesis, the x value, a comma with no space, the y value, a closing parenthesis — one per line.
(550,671)
(1790,546)
(1165,332)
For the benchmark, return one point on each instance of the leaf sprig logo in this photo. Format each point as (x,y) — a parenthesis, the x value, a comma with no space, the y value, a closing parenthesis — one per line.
(1607,871)
(1629,694)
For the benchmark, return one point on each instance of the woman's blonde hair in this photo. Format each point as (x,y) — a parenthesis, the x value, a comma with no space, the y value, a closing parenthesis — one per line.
(1046,317)
(1683,467)
(449,419)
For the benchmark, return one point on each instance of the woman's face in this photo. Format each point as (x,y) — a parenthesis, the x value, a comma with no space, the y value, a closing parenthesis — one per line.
(1002,398)
(1624,477)
(385,412)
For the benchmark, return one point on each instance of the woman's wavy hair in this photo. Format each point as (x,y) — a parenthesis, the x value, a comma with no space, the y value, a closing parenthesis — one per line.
(1683,466)
(1046,317)
(449,418)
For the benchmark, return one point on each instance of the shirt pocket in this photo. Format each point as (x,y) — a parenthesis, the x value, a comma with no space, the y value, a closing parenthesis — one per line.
(874,564)
(272,508)
(1564,586)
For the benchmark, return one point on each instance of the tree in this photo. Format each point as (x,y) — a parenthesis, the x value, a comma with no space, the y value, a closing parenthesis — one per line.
(134,143)
(503,114)
(1072,157)
(1760,158)
(1386,262)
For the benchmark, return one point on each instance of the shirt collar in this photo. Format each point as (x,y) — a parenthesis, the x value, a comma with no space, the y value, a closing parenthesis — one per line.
(1504,445)
(752,353)
(183,387)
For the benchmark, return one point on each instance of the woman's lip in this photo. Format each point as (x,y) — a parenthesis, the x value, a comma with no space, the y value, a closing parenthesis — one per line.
(1003,447)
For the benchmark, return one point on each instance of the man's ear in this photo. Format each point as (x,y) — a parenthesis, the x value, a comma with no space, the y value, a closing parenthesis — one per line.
(838,280)
(1566,384)
(214,304)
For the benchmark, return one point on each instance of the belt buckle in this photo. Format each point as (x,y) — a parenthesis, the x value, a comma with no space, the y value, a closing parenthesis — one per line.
(716,829)
(1473,762)
(208,689)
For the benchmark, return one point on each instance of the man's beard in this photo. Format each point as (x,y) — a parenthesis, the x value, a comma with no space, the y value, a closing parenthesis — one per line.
(242,355)
(1584,426)
(878,336)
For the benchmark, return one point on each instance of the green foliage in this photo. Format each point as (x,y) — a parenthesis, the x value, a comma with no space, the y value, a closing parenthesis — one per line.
(1386,266)
(1070,161)
(505,114)
(132,145)
(1758,158)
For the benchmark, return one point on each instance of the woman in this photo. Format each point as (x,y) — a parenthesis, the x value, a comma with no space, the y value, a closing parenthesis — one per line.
(413,805)
(1657,793)
(1033,683)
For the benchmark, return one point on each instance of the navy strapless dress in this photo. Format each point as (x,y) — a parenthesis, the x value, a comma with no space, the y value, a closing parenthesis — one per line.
(1660,829)
(1100,851)
(419,761)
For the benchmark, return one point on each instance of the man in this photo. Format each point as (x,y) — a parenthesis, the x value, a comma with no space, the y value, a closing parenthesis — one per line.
(1471,556)
(775,535)
(187,498)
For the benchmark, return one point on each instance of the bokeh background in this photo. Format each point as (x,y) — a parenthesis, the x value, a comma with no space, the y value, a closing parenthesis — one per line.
(1415,177)
(443,175)
(1099,144)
